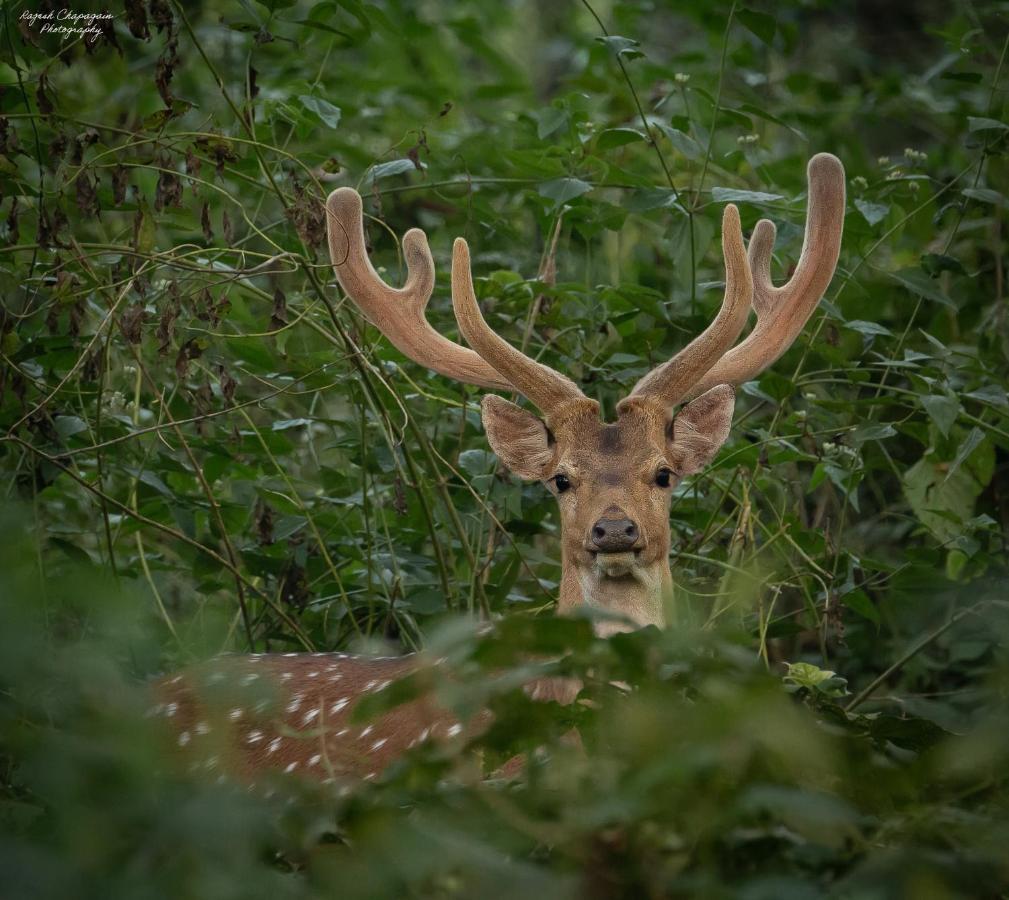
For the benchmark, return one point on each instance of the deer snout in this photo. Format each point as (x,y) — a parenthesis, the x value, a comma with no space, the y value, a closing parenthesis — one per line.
(614,535)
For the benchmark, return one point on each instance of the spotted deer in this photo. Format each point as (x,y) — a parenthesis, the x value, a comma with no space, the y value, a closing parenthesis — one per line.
(612,480)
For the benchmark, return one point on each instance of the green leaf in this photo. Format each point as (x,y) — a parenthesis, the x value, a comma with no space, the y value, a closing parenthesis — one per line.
(682,141)
(806,675)
(653,198)
(873,213)
(761,24)
(622,46)
(550,120)
(67,426)
(390,168)
(942,410)
(986,195)
(980,123)
(919,283)
(560,190)
(937,263)
(941,504)
(868,328)
(327,113)
(618,137)
(859,601)
(734,195)
(970,443)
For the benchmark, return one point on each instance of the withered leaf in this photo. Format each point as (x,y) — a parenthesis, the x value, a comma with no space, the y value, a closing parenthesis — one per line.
(94,365)
(9,144)
(220,311)
(294,587)
(106,36)
(263,517)
(13,227)
(169,191)
(42,97)
(161,15)
(203,398)
(208,232)
(279,318)
(57,150)
(193,163)
(165,70)
(136,19)
(131,322)
(189,351)
(253,86)
(76,317)
(229,232)
(81,142)
(87,195)
(166,326)
(308,216)
(399,497)
(228,385)
(120,178)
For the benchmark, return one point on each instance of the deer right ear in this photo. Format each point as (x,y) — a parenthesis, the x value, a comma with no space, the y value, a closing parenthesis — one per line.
(520,439)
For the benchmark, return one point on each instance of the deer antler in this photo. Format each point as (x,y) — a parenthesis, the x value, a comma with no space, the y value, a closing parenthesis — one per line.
(398,313)
(781,311)
(673,379)
(540,384)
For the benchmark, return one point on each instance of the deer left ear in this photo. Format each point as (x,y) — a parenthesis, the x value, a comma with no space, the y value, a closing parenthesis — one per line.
(699,429)
(520,439)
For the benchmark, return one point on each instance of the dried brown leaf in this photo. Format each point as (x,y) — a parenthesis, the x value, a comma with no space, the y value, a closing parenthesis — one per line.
(87,195)
(169,191)
(131,323)
(136,19)
(120,180)
(208,231)
(161,15)
(308,216)
(278,319)
(189,351)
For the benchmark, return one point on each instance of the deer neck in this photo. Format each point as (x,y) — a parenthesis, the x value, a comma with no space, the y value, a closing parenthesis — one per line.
(641,595)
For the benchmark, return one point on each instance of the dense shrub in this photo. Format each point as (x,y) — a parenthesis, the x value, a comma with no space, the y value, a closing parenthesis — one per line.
(204,448)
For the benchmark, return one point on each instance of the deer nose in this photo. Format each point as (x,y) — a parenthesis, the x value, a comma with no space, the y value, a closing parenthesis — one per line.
(614,535)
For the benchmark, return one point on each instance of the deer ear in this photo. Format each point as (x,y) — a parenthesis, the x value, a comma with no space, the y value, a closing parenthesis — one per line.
(700,428)
(519,438)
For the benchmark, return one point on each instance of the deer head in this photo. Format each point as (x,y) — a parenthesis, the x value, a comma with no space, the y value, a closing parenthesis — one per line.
(613,480)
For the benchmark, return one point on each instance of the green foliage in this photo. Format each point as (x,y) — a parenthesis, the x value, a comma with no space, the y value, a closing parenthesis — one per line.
(210,450)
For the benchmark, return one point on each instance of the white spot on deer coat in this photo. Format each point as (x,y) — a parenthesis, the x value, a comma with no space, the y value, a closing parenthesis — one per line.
(340,704)
(183,738)
(310,715)
(274,746)
(253,737)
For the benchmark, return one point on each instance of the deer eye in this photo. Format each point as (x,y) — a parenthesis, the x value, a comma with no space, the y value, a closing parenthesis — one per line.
(664,477)
(561,482)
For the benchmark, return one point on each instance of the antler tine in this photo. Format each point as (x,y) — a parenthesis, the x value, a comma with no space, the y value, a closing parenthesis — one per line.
(398,313)
(783,311)
(540,384)
(673,379)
